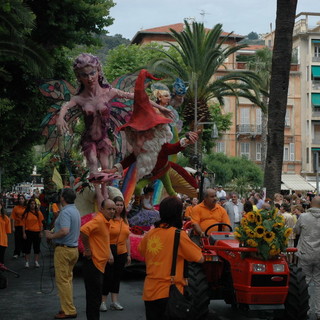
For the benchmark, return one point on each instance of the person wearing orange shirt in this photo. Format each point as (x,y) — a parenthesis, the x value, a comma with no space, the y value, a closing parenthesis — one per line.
(120,247)
(32,227)
(188,212)
(16,218)
(156,247)
(208,212)
(96,241)
(5,228)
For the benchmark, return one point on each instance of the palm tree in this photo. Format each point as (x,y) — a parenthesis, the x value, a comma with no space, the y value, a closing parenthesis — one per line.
(281,59)
(261,65)
(200,54)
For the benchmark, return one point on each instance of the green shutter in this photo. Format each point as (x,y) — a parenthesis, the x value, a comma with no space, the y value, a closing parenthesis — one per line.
(315,71)
(315,98)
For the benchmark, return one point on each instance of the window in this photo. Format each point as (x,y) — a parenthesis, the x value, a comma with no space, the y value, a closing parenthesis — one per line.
(291,168)
(245,115)
(287,120)
(258,151)
(245,150)
(291,151)
(317,51)
(220,147)
(307,155)
(286,154)
(245,120)
(258,119)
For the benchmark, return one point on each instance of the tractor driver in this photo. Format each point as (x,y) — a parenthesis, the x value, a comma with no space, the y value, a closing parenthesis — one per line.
(207,213)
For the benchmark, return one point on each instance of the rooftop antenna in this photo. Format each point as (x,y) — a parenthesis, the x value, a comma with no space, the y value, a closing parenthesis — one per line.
(203,13)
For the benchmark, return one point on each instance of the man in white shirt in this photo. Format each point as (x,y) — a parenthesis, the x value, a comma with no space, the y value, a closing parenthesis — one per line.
(221,193)
(234,209)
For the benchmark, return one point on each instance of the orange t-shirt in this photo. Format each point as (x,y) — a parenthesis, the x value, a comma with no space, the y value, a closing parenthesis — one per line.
(32,222)
(205,217)
(119,233)
(16,215)
(157,247)
(97,230)
(5,228)
(188,211)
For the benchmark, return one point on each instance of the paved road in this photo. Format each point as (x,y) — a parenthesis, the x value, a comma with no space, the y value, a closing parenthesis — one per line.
(33,296)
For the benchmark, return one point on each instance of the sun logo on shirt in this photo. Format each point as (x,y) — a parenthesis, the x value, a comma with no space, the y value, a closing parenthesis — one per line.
(154,245)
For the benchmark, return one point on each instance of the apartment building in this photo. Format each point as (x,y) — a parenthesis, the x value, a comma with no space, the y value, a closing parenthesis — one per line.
(306,87)
(244,136)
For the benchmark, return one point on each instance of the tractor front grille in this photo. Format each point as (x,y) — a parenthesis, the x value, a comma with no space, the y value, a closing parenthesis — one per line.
(265,280)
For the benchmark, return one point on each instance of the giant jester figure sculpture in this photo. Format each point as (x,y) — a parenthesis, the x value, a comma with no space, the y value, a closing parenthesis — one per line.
(94,101)
(149,134)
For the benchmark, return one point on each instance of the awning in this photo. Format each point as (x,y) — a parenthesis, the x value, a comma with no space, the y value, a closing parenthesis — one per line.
(295,182)
(315,71)
(315,98)
(315,40)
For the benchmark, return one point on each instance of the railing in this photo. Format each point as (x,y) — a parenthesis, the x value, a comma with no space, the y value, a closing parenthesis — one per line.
(315,84)
(315,112)
(248,129)
(315,59)
(316,141)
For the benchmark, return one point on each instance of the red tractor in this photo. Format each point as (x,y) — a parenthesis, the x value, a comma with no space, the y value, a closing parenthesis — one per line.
(246,282)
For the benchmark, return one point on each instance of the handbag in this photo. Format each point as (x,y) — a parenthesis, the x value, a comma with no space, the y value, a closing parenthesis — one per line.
(179,306)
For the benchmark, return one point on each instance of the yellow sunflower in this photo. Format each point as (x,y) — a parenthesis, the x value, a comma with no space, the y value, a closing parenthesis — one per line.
(251,217)
(252,243)
(269,236)
(278,225)
(244,222)
(274,252)
(258,218)
(250,233)
(287,232)
(237,234)
(259,231)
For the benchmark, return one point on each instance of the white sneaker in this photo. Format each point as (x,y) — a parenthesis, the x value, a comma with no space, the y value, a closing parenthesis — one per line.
(15,256)
(37,265)
(103,307)
(27,265)
(116,306)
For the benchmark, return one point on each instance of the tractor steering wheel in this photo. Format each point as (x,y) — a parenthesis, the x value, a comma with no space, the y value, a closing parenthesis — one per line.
(220,225)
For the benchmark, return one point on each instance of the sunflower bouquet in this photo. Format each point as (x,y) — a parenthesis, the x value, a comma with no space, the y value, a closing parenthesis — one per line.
(264,230)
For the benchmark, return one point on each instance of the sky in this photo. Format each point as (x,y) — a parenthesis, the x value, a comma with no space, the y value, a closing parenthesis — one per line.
(241,17)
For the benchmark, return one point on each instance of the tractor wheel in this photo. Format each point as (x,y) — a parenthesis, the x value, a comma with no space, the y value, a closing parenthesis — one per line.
(297,302)
(198,286)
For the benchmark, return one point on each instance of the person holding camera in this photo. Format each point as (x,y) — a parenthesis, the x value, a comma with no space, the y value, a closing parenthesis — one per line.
(65,237)
(120,247)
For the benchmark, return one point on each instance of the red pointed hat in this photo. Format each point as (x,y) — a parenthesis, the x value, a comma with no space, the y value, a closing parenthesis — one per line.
(143,117)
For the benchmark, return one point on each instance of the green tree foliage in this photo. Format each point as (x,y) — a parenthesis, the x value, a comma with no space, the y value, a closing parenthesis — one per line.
(253,36)
(70,22)
(228,169)
(51,27)
(129,58)
(16,24)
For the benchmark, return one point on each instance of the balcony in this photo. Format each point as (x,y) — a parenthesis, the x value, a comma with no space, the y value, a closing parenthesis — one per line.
(316,141)
(315,59)
(315,112)
(248,129)
(315,84)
